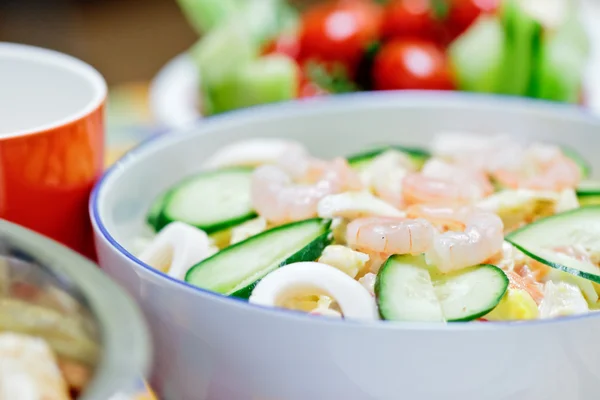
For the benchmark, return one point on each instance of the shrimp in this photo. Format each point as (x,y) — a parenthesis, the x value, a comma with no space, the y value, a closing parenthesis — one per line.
(440,182)
(418,188)
(441,217)
(481,238)
(544,167)
(278,199)
(390,235)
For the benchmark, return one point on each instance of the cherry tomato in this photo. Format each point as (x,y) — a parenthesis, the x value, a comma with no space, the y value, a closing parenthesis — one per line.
(464,12)
(286,44)
(409,18)
(339,31)
(411,64)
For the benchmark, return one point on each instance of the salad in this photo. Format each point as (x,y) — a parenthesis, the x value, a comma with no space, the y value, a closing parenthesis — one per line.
(255,52)
(474,228)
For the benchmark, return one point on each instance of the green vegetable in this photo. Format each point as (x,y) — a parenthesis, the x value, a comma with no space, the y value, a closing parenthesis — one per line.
(540,239)
(155,210)
(588,193)
(478,55)
(407,289)
(239,39)
(238,268)
(212,201)
(221,52)
(228,61)
(558,73)
(268,79)
(205,15)
(523,34)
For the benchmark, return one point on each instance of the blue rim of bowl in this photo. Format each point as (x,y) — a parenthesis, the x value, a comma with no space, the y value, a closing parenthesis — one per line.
(348,98)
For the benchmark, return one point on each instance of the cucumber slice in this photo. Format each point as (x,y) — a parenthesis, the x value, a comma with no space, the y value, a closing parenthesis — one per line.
(407,290)
(361,160)
(580,226)
(470,293)
(211,201)
(235,270)
(155,209)
(477,56)
(588,193)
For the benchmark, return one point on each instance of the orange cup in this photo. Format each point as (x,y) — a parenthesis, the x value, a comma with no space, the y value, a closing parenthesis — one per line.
(51,142)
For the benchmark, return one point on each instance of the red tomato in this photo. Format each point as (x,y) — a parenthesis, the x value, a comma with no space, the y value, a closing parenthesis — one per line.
(411,64)
(409,18)
(464,12)
(339,31)
(287,44)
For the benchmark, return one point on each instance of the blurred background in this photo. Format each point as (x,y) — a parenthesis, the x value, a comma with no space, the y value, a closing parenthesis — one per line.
(129,41)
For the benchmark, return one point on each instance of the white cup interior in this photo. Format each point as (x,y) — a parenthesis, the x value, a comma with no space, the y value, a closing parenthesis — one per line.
(42,89)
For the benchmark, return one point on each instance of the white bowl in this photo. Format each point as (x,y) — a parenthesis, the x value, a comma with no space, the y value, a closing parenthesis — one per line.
(213,347)
(175,99)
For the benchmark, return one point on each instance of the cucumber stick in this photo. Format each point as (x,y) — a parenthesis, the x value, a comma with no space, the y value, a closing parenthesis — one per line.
(541,239)
(477,56)
(238,40)
(268,79)
(362,160)
(236,270)
(523,35)
(211,201)
(205,15)
(408,290)
(561,61)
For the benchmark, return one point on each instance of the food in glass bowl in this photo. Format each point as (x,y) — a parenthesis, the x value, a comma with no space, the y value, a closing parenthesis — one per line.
(255,52)
(60,338)
(30,366)
(474,228)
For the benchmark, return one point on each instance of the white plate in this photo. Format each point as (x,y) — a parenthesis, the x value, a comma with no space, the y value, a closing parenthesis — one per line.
(174,98)
(174,93)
